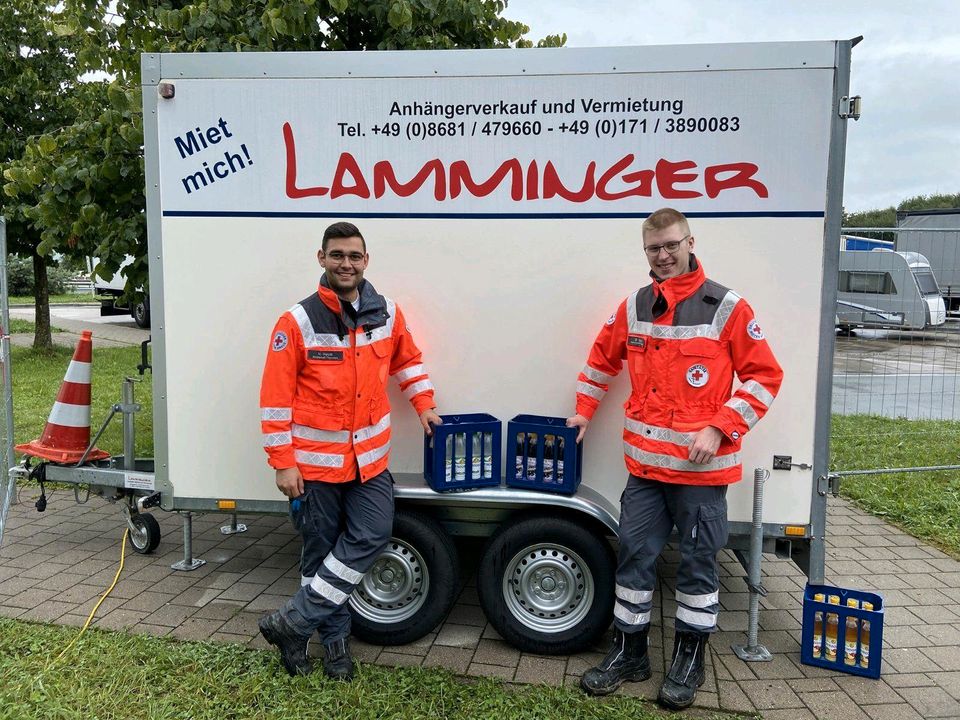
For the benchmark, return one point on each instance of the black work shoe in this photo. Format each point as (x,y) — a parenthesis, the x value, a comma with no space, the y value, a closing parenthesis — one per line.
(292,646)
(627,660)
(686,672)
(337,663)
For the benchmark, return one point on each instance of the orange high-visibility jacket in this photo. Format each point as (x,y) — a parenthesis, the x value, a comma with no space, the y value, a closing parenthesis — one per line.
(323,399)
(683,339)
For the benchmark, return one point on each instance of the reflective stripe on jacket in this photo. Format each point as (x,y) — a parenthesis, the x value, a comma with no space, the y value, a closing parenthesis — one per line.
(683,341)
(323,399)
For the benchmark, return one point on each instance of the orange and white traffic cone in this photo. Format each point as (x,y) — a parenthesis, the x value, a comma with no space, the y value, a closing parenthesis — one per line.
(67,433)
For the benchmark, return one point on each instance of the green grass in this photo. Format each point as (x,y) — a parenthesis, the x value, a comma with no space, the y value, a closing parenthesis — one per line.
(66,299)
(927,505)
(21,326)
(113,676)
(36,380)
(26,326)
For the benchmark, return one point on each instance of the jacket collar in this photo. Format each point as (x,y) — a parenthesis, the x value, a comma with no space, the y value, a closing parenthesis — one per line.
(677,289)
(373,306)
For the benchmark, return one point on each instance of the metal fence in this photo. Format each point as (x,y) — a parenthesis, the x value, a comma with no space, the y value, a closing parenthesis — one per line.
(896,382)
(7,481)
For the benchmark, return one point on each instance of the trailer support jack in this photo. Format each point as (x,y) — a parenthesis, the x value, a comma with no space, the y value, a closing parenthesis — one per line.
(753,651)
(234,527)
(189,562)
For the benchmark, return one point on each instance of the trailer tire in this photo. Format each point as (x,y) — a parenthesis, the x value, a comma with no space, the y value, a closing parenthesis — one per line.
(146,535)
(411,586)
(141,313)
(546,585)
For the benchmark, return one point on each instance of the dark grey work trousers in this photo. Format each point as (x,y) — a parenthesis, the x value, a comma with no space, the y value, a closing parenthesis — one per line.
(648,512)
(345,527)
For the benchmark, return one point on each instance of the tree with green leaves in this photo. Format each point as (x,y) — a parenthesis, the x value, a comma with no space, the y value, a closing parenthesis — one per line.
(887,217)
(38,73)
(85,184)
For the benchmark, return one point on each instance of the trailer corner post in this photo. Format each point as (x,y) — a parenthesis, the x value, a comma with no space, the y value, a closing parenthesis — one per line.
(753,651)
(828,303)
(189,562)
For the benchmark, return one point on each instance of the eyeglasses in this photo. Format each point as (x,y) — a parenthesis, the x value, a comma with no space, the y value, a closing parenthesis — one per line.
(671,247)
(337,257)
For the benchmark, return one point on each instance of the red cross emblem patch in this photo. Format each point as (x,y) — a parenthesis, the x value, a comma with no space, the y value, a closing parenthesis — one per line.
(697,375)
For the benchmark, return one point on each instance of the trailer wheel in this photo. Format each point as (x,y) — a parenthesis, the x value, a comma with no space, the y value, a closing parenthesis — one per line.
(141,313)
(411,586)
(546,585)
(144,533)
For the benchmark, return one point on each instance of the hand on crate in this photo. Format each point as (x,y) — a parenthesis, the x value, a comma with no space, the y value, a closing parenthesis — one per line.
(428,418)
(290,482)
(704,446)
(579,422)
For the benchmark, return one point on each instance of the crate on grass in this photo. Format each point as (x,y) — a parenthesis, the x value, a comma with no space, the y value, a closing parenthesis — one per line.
(546,454)
(842,630)
(463,453)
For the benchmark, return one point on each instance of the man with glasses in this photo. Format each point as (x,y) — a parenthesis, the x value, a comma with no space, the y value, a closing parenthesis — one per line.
(325,419)
(683,338)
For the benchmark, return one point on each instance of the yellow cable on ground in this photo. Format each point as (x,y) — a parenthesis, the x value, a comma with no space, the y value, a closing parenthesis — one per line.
(123,554)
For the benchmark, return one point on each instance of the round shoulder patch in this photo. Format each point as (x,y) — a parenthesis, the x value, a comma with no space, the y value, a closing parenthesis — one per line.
(611,319)
(754,331)
(697,375)
(279,341)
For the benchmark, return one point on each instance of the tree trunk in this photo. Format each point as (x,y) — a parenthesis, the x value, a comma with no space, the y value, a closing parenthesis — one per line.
(42,340)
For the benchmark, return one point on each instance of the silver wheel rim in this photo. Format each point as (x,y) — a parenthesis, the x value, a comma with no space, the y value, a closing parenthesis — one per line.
(395,588)
(138,536)
(548,588)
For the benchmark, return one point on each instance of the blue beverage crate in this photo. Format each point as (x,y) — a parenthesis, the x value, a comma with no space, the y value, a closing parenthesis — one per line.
(436,453)
(874,617)
(534,471)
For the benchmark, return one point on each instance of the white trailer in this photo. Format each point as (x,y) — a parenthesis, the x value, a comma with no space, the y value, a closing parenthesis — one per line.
(501,193)
(886,289)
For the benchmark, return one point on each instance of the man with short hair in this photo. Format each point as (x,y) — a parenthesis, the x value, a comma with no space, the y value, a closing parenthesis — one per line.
(325,419)
(683,337)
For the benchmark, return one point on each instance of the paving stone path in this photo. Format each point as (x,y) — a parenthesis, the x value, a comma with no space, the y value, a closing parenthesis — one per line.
(54,565)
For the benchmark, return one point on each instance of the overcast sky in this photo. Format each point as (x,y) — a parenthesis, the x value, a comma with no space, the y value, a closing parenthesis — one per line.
(907,70)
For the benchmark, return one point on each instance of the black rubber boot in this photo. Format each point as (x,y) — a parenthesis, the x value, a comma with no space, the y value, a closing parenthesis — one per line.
(292,646)
(337,663)
(686,672)
(627,660)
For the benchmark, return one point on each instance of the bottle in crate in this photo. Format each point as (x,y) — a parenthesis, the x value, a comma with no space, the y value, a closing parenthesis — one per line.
(531,456)
(865,637)
(548,454)
(833,622)
(521,469)
(850,636)
(448,459)
(818,628)
(460,457)
(475,459)
(487,455)
(558,463)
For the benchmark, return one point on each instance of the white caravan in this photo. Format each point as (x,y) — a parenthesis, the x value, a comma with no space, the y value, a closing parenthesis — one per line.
(882,288)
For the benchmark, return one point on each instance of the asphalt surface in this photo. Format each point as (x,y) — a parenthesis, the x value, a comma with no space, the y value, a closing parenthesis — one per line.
(895,374)
(71,320)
